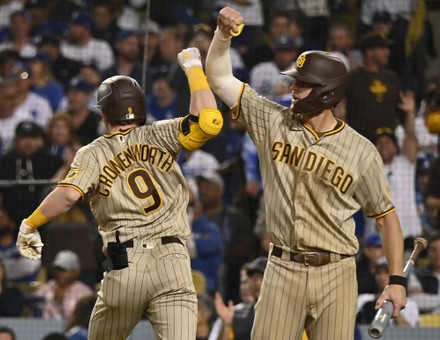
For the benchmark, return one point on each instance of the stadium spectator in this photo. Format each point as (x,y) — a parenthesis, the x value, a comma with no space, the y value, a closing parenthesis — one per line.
(27,160)
(205,316)
(39,15)
(85,121)
(127,63)
(163,100)
(208,253)
(340,42)
(196,162)
(372,94)
(64,69)
(235,228)
(20,38)
(43,80)
(62,293)
(8,120)
(105,25)
(400,170)
(371,252)
(8,58)
(433,196)
(78,323)
(12,300)
(82,46)
(278,27)
(61,137)
(6,333)
(426,288)
(266,77)
(29,105)
(237,320)
(19,268)
(7,7)
(366,311)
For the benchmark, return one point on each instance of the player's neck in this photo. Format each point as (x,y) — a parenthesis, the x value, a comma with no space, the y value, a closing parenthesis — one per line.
(321,123)
(119,128)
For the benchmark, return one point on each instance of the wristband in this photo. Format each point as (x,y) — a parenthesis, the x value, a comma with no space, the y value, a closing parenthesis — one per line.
(398,280)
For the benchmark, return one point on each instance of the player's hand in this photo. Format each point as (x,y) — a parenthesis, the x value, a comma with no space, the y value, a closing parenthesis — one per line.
(397,295)
(29,242)
(230,21)
(188,58)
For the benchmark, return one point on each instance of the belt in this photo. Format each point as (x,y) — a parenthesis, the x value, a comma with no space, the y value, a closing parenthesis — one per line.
(164,240)
(315,259)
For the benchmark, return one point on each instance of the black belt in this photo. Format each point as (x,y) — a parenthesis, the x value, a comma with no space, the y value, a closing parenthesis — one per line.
(164,240)
(315,259)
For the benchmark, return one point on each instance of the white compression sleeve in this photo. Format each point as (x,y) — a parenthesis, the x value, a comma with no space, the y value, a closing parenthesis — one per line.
(219,70)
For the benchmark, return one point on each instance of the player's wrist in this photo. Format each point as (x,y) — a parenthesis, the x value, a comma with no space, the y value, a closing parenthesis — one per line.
(398,280)
(25,229)
(220,35)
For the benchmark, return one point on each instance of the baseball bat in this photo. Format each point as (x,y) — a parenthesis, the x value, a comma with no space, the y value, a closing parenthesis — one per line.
(383,315)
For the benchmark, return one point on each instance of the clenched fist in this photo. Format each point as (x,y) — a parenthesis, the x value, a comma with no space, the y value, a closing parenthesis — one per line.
(230,21)
(29,242)
(188,58)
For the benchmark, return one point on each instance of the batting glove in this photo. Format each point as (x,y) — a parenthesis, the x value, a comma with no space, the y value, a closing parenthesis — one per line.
(29,242)
(188,58)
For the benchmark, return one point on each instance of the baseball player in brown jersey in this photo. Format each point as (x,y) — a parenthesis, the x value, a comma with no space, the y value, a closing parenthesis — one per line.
(317,172)
(139,197)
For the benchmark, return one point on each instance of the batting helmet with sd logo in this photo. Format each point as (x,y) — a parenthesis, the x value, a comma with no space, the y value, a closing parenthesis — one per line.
(327,73)
(122,100)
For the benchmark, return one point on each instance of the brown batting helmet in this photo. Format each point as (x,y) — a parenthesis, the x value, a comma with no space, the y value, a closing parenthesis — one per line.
(122,100)
(327,73)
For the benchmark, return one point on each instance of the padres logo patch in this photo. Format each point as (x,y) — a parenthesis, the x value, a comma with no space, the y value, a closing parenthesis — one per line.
(72,173)
(300,61)
(130,114)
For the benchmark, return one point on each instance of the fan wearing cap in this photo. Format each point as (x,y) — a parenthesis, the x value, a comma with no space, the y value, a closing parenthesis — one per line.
(82,46)
(127,61)
(20,38)
(61,293)
(374,95)
(400,170)
(317,172)
(29,105)
(27,160)
(371,252)
(237,320)
(85,120)
(266,77)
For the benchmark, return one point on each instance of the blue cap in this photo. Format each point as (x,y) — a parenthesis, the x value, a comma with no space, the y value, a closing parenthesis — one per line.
(373,240)
(81,18)
(40,56)
(185,14)
(22,70)
(80,84)
(122,34)
(285,43)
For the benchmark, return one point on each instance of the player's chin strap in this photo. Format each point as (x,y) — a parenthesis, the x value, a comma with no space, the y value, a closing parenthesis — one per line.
(196,131)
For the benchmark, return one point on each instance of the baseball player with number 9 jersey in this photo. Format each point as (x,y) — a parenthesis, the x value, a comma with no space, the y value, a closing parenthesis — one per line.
(139,197)
(317,172)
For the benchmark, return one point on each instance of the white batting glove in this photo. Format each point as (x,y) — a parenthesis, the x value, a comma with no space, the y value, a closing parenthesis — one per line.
(188,58)
(29,242)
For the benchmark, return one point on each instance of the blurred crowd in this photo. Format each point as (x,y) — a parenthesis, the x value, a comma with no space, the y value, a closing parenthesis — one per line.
(53,56)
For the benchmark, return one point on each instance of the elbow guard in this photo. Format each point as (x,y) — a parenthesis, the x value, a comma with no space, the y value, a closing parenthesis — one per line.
(196,131)
(433,122)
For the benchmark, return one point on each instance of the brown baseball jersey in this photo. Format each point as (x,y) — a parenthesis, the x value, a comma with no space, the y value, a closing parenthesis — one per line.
(136,187)
(313,184)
